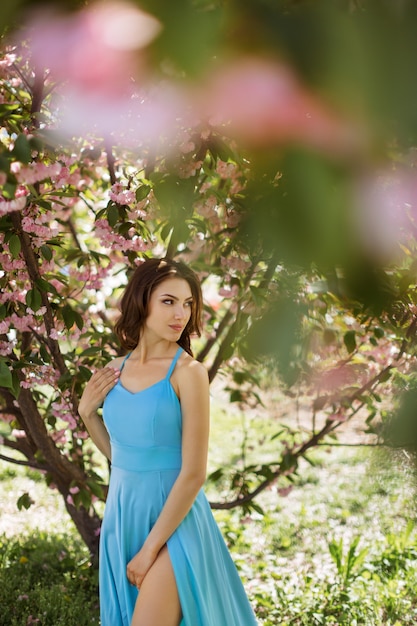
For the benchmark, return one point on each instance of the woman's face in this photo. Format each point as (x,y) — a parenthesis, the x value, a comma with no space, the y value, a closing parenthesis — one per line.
(169,309)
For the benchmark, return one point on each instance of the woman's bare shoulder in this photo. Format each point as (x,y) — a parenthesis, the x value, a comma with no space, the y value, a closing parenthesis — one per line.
(190,370)
(116,362)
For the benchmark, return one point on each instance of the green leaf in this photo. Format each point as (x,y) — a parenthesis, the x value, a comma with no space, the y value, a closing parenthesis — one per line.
(15,246)
(46,357)
(216,475)
(6,109)
(378,332)
(34,299)
(85,373)
(45,286)
(92,351)
(5,375)
(350,341)
(236,396)
(256,507)
(9,190)
(78,320)
(22,150)
(68,316)
(25,501)
(15,388)
(96,488)
(112,214)
(142,192)
(46,252)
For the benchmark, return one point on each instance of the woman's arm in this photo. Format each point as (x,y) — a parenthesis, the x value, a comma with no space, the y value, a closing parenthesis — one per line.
(194,394)
(93,396)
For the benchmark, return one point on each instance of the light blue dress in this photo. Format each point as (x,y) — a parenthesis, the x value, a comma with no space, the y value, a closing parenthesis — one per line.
(145,434)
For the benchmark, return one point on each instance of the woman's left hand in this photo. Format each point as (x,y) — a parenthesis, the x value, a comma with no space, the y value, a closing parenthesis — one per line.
(139,566)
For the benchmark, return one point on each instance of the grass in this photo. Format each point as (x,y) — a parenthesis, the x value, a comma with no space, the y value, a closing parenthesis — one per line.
(339,549)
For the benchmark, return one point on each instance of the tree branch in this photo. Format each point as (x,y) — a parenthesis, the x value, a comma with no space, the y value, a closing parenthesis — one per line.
(32,465)
(299,451)
(110,161)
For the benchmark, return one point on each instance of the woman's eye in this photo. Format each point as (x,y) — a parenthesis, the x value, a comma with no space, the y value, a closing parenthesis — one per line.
(167,301)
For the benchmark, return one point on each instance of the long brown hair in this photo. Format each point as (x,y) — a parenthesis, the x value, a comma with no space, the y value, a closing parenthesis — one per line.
(135,301)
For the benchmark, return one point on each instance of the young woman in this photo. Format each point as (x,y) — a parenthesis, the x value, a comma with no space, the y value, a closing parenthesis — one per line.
(163,561)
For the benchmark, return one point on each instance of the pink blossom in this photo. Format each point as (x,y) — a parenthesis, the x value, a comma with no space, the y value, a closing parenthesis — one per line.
(225,170)
(35,226)
(24,322)
(121,195)
(186,170)
(59,436)
(9,264)
(233,263)
(207,208)
(110,239)
(6,62)
(385,202)
(262,102)
(37,171)
(93,48)
(229,292)
(105,87)
(232,219)
(18,434)
(81,434)
(40,311)
(6,348)
(9,206)
(284,491)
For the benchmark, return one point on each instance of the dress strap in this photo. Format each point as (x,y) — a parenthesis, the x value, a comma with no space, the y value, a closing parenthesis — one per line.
(174,362)
(124,360)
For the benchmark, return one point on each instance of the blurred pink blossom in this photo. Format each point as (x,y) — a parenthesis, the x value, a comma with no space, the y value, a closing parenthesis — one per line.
(386,201)
(262,102)
(96,57)
(92,49)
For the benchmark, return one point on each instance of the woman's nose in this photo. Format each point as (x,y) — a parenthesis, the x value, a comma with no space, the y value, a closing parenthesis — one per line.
(180,312)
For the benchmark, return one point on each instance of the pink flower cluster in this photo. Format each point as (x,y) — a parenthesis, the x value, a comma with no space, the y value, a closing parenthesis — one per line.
(91,277)
(62,409)
(35,172)
(39,375)
(9,206)
(229,292)
(122,195)
(116,242)
(8,263)
(6,348)
(6,62)
(235,264)
(39,224)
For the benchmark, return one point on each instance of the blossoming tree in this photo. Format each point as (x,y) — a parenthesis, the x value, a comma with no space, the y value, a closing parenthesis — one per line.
(247,174)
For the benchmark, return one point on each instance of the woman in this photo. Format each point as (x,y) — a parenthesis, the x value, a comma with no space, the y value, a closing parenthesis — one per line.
(163,561)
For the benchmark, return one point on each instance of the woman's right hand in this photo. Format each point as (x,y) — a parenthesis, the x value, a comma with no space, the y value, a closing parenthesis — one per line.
(96,390)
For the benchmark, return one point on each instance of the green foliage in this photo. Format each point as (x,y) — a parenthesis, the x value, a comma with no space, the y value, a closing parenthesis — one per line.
(283,556)
(47,580)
